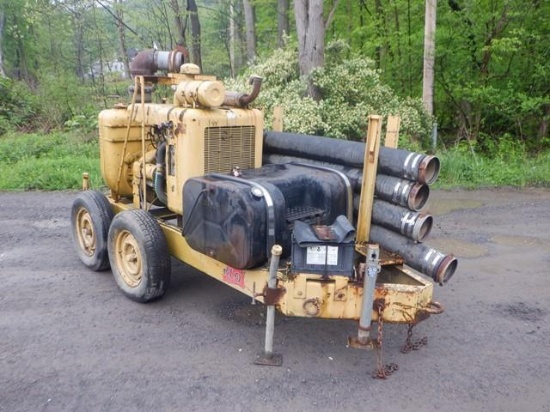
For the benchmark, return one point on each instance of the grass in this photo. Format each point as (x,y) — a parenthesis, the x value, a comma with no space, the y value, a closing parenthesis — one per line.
(48,161)
(470,170)
(56,161)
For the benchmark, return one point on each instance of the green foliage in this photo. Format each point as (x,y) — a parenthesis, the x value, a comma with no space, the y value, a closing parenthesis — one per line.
(351,90)
(511,165)
(47,162)
(18,106)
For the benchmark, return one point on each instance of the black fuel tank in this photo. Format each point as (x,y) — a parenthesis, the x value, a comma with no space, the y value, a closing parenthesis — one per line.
(236,220)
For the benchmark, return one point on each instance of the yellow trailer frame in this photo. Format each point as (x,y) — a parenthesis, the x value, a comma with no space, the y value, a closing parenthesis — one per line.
(401,294)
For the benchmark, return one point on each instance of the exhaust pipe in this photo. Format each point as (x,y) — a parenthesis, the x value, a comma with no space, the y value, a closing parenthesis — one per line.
(148,62)
(425,259)
(394,162)
(237,99)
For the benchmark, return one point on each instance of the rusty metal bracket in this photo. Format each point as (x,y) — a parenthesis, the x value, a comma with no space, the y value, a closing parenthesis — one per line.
(272,296)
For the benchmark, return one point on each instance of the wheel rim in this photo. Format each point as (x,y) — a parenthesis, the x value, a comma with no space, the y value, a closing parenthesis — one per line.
(85,232)
(128,258)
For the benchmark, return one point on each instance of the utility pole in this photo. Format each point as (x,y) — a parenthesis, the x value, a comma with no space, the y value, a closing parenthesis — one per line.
(429,57)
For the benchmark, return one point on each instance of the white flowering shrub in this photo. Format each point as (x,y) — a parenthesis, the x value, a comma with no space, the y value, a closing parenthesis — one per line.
(351,90)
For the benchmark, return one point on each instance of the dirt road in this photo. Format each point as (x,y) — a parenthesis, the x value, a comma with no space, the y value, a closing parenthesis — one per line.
(69,340)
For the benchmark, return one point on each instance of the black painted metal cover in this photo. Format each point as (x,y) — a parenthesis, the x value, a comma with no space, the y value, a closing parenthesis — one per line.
(236,219)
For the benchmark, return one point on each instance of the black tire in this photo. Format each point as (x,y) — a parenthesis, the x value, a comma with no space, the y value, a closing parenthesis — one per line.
(139,255)
(91,216)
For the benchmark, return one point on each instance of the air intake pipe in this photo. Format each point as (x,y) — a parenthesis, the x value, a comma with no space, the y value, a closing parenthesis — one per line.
(394,162)
(237,99)
(425,259)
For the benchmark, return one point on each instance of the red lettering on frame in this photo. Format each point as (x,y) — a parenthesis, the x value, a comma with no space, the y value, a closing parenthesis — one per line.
(233,276)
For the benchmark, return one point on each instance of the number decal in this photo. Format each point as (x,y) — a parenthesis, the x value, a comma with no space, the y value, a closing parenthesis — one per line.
(233,276)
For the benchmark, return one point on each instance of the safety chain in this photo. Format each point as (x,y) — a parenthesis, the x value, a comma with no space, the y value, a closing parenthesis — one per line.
(411,344)
(382,370)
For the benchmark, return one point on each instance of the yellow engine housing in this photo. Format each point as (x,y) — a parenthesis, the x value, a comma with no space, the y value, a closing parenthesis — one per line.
(204,140)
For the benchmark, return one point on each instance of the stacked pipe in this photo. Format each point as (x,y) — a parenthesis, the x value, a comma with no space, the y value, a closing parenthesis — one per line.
(401,192)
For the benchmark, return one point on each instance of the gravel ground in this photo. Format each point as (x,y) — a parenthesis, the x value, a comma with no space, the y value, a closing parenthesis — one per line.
(69,340)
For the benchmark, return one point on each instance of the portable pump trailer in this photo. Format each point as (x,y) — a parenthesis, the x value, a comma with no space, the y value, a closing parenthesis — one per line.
(282,218)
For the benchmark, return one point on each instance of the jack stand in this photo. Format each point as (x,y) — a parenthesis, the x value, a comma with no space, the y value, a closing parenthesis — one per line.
(363,340)
(267,357)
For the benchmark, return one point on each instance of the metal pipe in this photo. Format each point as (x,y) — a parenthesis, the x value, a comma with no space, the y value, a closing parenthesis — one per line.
(402,192)
(395,162)
(419,256)
(276,252)
(148,62)
(159,182)
(369,284)
(414,225)
(237,99)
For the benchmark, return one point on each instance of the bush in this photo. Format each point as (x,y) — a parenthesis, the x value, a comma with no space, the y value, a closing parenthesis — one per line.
(18,106)
(351,90)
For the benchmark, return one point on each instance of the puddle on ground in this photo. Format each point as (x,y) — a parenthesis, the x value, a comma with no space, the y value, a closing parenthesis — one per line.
(444,206)
(459,248)
(517,240)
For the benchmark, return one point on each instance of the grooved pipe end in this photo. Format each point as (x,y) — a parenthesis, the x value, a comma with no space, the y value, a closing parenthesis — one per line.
(428,170)
(418,196)
(422,227)
(446,269)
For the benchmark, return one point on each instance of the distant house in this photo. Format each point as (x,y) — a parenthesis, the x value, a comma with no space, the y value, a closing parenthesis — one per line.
(112,67)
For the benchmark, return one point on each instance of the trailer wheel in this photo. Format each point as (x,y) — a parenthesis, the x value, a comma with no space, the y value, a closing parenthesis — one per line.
(91,216)
(139,255)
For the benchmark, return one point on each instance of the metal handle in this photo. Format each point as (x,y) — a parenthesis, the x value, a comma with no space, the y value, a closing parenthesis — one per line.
(434,308)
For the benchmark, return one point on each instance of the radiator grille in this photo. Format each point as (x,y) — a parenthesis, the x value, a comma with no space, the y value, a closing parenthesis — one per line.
(227,147)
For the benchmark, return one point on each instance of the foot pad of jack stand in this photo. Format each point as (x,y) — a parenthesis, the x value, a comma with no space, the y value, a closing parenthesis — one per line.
(354,342)
(268,359)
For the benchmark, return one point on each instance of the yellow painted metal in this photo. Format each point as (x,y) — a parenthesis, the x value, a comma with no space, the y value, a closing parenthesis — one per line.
(277,125)
(120,147)
(406,294)
(128,258)
(203,141)
(85,232)
(85,181)
(369,178)
(392,131)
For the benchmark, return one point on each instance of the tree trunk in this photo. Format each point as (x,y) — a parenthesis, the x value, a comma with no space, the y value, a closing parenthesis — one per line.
(250,23)
(429,57)
(282,21)
(122,37)
(180,22)
(195,33)
(310,28)
(2,22)
(231,40)
(543,125)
